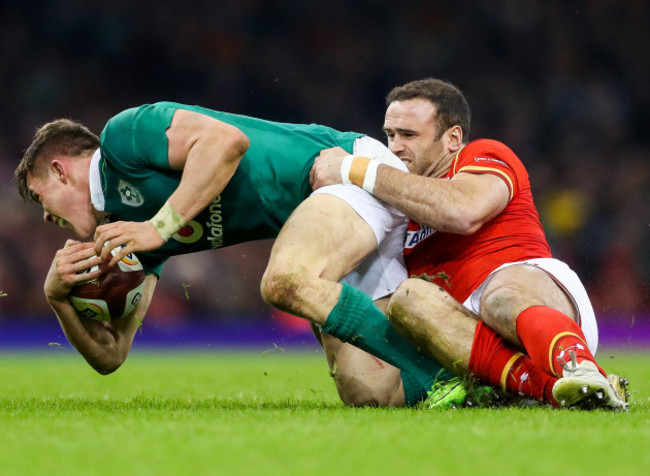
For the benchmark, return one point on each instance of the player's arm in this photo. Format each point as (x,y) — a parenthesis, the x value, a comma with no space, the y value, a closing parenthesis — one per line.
(104,345)
(208,152)
(460,205)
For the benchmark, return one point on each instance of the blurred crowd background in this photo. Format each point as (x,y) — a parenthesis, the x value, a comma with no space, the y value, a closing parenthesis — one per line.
(563,83)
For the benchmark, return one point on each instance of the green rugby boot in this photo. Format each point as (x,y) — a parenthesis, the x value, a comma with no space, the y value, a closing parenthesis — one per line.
(465,392)
(450,393)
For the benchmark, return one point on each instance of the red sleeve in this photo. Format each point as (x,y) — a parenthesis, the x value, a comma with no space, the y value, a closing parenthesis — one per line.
(486,156)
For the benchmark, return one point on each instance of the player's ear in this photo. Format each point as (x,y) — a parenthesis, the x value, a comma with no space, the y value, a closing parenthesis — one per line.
(454,138)
(60,171)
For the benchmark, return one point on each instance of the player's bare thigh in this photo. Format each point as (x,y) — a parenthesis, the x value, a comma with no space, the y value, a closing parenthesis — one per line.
(321,242)
(514,289)
(324,235)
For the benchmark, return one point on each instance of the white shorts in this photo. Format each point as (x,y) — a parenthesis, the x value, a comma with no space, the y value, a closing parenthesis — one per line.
(382,271)
(568,280)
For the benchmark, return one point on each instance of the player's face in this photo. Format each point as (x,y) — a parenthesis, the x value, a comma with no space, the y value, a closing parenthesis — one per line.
(411,129)
(64,205)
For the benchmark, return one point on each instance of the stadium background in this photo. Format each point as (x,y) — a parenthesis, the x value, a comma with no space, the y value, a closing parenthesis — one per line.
(565,84)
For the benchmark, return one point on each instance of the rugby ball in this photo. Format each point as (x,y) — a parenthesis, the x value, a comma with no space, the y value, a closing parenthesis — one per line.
(114,294)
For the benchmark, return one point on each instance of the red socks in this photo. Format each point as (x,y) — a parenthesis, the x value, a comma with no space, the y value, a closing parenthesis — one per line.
(496,363)
(548,334)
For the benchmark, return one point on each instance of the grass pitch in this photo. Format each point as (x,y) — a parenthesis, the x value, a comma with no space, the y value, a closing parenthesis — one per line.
(277,412)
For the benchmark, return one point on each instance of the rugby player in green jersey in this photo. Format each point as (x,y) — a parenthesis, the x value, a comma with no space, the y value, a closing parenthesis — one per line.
(168,179)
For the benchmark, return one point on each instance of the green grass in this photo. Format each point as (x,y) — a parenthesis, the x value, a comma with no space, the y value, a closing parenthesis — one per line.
(278,413)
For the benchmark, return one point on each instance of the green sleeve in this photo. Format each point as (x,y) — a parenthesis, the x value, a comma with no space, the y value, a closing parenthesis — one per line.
(136,138)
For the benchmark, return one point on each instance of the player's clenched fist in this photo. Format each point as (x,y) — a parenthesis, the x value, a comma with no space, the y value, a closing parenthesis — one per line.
(326,168)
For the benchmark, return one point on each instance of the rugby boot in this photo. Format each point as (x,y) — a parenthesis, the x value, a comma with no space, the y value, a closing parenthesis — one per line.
(583,386)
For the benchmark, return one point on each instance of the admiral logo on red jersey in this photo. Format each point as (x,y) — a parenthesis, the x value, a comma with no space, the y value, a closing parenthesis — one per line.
(413,237)
(490,159)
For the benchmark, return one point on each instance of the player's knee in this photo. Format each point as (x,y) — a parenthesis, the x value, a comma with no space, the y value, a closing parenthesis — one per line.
(357,393)
(357,398)
(280,289)
(406,296)
(407,291)
(501,305)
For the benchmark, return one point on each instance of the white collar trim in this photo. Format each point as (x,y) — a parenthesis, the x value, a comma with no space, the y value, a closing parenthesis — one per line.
(94,181)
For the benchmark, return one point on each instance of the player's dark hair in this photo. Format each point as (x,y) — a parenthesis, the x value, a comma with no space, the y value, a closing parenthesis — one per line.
(61,137)
(452,107)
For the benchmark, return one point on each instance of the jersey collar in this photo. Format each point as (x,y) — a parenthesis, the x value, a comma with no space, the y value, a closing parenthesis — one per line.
(96,192)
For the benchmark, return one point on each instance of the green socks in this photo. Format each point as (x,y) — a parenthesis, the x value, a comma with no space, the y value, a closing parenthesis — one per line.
(356,319)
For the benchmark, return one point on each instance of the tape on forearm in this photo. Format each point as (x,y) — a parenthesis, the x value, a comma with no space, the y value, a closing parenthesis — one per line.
(167,221)
(346,165)
(359,171)
(370,179)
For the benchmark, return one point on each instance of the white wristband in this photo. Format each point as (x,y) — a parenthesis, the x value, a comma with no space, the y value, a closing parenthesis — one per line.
(346,165)
(167,221)
(370,179)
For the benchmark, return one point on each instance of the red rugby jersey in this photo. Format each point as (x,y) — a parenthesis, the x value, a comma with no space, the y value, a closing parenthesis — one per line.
(459,263)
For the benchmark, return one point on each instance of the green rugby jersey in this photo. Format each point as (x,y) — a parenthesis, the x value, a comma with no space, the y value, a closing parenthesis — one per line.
(270,182)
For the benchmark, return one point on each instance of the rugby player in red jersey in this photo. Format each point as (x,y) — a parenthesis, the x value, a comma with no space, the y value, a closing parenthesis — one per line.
(494,302)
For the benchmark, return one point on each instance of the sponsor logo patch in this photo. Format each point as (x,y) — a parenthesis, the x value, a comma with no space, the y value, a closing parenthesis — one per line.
(190,233)
(413,237)
(215,224)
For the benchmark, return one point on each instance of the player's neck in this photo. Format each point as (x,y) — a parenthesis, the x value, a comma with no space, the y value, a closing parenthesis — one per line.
(441,167)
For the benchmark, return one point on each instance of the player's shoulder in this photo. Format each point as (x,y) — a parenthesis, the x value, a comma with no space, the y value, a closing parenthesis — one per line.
(488,156)
(157,114)
(122,116)
(489,153)
(133,113)
(123,119)
(490,147)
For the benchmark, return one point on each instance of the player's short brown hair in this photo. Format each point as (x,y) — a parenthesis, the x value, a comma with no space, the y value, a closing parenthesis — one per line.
(452,107)
(61,137)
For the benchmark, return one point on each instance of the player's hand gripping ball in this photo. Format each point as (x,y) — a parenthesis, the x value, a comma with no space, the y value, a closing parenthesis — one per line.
(114,294)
